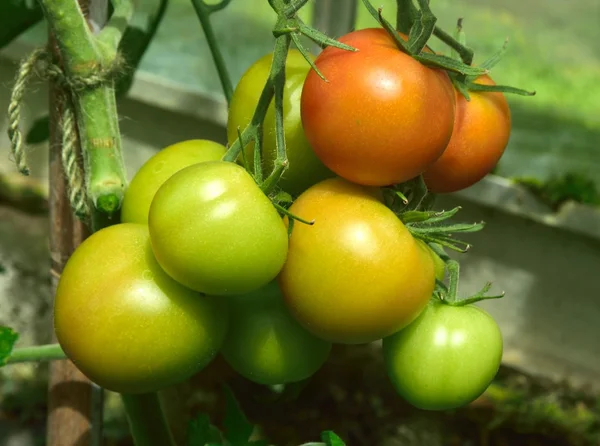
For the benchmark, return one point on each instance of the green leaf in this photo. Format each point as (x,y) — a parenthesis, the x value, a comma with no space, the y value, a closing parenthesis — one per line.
(331,439)
(237,427)
(447,63)
(16,16)
(39,131)
(8,338)
(200,432)
(134,44)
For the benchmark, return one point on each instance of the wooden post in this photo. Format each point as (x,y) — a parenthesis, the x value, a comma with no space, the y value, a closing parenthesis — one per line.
(74,404)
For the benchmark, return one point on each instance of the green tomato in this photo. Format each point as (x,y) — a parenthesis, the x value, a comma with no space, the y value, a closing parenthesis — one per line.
(266,344)
(446,358)
(305,169)
(159,169)
(215,231)
(128,326)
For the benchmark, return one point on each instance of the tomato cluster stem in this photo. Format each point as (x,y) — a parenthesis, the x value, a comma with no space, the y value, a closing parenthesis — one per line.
(287,30)
(204,11)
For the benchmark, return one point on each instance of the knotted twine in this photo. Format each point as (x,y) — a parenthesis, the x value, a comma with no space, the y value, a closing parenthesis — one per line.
(40,63)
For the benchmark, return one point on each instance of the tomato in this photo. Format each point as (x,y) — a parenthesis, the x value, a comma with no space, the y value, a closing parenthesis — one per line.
(357,274)
(382,118)
(446,358)
(158,169)
(480,136)
(305,169)
(213,230)
(125,324)
(439,266)
(266,344)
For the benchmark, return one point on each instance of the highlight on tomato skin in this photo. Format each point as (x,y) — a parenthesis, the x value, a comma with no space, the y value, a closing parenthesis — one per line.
(265,344)
(480,136)
(383,117)
(357,274)
(128,326)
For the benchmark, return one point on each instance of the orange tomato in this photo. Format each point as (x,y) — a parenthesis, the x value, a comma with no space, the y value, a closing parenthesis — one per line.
(480,136)
(356,275)
(382,117)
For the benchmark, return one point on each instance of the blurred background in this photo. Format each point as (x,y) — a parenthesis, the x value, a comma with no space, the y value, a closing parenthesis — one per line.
(541,244)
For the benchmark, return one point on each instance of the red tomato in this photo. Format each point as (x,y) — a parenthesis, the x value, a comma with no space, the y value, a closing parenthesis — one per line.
(382,118)
(480,136)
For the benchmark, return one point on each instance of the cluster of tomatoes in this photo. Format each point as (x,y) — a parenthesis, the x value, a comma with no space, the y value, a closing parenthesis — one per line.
(203,262)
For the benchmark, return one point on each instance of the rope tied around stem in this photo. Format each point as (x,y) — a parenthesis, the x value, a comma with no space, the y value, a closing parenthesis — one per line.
(40,64)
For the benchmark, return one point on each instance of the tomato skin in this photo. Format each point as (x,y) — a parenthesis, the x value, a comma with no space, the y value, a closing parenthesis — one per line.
(446,358)
(357,274)
(383,118)
(213,230)
(266,344)
(480,136)
(128,326)
(305,169)
(158,169)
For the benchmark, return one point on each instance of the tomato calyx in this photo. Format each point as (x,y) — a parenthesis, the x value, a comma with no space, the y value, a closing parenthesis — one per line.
(448,294)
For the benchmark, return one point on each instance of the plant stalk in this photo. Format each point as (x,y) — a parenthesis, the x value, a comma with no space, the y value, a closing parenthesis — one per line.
(95,107)
(147,420)
(203,10)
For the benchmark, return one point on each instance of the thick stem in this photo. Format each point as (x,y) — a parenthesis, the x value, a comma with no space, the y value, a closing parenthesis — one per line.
(204,11)
(36,353)
(147,420)
(95,107)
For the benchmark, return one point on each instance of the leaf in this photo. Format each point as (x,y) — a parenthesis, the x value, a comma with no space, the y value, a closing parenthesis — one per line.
(133,46)
(39,131)
(16,16)
(8,338)
(331,439)
(200,432)
(237,427)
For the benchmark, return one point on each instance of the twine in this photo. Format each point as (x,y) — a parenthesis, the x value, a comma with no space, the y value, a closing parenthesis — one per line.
(39,63)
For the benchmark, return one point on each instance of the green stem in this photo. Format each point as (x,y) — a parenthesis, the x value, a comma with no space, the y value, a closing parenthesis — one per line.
(95,107)
(112,33)
(147,420)
(277,76)
(204,10)
(465,53)
(35,353)
(405,15)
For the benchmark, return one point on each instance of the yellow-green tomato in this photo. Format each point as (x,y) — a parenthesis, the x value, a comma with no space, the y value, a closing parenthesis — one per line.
(446,358)
(266,344)
(128,326)
(159,169)
(305,169)
(215,231)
